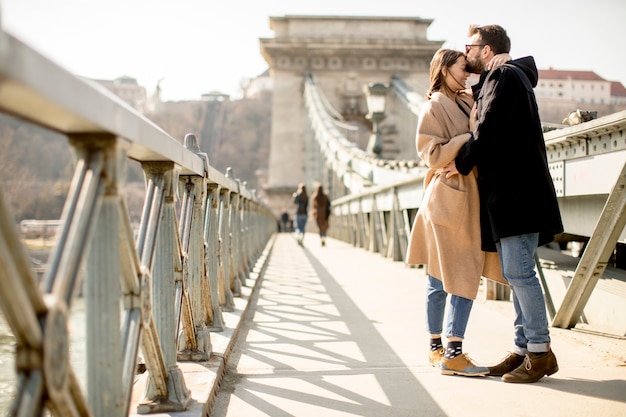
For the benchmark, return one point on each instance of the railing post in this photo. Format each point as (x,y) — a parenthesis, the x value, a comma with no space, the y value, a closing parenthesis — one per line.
(103,293)
(226,296)
(363,223)
(163,326)
(397,236)
(231,238)
(258,231)
(238,238)
(196,344)
(246,257)
(211,257)
(198,349)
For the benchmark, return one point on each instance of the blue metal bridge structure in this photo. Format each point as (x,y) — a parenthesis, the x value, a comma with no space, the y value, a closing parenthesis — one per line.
(163,296)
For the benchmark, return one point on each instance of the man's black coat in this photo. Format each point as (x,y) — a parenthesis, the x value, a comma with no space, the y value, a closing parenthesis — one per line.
(516,189)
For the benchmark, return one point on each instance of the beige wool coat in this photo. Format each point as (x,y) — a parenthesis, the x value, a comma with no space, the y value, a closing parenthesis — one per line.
(445,235)
(321,211)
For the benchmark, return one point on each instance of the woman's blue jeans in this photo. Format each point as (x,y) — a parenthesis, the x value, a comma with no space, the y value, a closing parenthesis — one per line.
(458,313)
(301,223)
(517,256)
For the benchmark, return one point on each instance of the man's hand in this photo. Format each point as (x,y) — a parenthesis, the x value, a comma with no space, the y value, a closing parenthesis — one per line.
(473,117)
(450,169)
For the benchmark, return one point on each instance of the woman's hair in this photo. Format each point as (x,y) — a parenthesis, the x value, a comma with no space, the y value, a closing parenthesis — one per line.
(319,192)
(302,189)
(493,35)
(443,58)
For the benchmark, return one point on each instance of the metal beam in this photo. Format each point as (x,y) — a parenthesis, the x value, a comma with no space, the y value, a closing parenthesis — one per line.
(596,255)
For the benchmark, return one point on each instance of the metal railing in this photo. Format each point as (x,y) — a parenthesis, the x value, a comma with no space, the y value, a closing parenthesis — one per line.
(352,167)
(172,281)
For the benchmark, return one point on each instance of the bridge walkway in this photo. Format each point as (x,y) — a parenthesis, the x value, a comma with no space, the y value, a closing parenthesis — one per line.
(339,331)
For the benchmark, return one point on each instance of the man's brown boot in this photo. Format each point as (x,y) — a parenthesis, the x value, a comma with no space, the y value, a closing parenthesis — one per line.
(508,364)
(534,367)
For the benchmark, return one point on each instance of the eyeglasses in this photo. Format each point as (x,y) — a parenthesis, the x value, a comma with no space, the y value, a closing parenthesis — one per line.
(468,47)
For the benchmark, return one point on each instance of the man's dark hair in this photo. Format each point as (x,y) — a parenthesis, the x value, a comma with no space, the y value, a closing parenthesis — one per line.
(493,35)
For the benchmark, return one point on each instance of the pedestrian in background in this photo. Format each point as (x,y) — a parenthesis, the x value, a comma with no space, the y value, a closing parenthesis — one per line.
(284,220)
(321,211)
(301,200)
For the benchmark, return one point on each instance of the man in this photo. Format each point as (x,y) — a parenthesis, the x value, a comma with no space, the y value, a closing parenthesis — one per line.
(519,209)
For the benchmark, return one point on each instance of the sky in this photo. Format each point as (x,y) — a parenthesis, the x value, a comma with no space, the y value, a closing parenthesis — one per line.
(198,46)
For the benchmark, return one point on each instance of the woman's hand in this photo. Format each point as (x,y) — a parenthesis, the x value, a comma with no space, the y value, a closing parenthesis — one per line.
(498,60)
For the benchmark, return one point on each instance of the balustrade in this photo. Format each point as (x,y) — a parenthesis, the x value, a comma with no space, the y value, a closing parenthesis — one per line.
(159,294)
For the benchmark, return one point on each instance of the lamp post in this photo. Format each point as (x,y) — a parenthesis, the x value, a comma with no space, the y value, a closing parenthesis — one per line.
(375,94)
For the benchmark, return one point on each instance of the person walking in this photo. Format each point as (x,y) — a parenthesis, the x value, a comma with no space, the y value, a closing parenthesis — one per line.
(519,208)
(445,234)
(284,219)
(301,200)
(321,211)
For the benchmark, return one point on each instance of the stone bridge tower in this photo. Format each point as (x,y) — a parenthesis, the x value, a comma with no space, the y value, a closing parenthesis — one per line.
(344,54)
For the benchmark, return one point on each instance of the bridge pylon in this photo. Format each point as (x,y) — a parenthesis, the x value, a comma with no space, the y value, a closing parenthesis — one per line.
(344,54)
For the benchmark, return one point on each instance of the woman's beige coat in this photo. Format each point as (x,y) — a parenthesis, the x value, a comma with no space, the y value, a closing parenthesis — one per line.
(446,232)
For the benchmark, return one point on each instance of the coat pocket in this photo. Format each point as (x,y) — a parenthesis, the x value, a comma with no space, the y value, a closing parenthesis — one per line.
(447,206)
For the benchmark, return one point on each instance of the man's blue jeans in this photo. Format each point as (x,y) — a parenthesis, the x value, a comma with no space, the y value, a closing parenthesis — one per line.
(517,256)
(458,314)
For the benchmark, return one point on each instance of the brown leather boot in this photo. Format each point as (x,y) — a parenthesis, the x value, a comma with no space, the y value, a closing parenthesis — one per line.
(534,367)
(508,364)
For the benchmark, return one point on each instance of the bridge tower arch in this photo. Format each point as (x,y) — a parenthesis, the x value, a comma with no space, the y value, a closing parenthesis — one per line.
(344,54)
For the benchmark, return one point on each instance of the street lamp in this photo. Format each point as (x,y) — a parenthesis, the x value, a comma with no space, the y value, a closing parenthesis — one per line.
(376,93)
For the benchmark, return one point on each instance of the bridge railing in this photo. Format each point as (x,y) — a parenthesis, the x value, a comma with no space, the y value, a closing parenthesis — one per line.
(353,167)
(160,293)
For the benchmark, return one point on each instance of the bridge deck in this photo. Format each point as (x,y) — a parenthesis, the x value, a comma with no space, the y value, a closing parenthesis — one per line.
(338,331)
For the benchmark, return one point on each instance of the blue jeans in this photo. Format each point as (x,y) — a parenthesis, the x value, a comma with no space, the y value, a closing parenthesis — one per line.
(517,256)
(458,314)
(300,223)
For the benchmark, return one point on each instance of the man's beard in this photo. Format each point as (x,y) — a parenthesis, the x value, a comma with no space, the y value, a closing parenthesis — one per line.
(475,66)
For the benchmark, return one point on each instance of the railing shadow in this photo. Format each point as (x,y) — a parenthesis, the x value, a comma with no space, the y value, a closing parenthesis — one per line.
(308,330)
(321,344)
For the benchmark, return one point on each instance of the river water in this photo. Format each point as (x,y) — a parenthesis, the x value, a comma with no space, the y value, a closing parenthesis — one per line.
(77,329)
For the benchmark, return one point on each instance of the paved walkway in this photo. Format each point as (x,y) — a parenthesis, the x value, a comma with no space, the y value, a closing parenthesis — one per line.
(338,331)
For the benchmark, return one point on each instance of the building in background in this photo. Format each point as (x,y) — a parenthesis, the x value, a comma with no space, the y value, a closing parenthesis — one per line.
(618,93)
(129,90)
(559,92)
(258,85)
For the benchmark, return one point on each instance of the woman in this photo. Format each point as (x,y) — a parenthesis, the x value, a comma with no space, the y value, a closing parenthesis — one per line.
(321,211)
(446,232)
(301,200)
